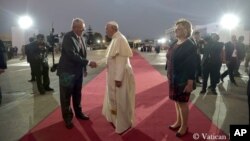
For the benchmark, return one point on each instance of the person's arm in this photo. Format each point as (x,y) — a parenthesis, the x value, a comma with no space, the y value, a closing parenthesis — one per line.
(191,66)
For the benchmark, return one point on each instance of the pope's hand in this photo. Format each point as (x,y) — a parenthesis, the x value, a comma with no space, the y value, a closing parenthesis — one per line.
(92,64)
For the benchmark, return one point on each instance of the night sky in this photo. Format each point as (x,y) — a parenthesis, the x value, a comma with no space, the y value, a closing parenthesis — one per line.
(136,18)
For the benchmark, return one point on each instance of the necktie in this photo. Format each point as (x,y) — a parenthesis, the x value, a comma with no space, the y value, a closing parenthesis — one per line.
(81,47)
(80,43)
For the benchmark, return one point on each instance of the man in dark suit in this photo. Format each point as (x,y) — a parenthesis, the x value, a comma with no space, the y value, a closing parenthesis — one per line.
(241,57)
(28,52)
(211,62)
(39,50)
(196,40)
(71,69)
(232,54)
(3,64)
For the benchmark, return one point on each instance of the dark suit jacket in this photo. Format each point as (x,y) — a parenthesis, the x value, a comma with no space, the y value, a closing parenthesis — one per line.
(28,51)
(212,53)
(229,48)
(198,46)
(72,61)
(36,54)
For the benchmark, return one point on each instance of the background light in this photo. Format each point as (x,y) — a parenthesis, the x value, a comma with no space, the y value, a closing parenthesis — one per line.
(229,21)
(162,40)
(25,22)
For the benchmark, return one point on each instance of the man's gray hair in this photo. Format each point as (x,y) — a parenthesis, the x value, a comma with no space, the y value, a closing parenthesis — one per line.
(114,24)
(77,20)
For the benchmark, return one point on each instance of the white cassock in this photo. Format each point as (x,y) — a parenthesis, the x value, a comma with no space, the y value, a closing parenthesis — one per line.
(119,103)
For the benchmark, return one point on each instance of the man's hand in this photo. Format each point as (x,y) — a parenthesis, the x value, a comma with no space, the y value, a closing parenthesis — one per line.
(118,83)
(92,64)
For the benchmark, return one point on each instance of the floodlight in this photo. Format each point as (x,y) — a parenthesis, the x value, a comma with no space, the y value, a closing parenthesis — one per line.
(229,21)
(25,22)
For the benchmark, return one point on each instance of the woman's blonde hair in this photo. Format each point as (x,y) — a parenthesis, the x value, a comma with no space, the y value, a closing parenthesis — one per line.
(187,25)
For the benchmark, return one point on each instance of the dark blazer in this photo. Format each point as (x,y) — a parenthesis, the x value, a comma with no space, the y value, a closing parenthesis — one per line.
(198,46)
(212,53)
(184,62)
(241,50)
(36,54)
(31,51)
(229,48)
(72,60)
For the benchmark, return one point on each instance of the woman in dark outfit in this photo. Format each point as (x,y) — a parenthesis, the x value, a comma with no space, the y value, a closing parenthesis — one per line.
(181,61)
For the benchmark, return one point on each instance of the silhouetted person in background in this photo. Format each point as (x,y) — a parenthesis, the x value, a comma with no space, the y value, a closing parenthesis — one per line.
(231,56)
(3,63)
(29,54)
(39,50)
(211,62)
(241,49)
(196,40)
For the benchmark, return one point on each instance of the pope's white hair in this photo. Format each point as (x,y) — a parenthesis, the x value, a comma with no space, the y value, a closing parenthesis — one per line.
(113,23)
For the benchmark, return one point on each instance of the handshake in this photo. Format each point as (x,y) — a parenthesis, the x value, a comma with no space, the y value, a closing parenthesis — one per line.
(92,64)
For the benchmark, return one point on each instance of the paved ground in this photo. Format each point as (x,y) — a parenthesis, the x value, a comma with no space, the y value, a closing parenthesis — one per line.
(22,107)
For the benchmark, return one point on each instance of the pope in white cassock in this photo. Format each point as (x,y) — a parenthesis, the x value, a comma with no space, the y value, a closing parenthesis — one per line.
(119,101)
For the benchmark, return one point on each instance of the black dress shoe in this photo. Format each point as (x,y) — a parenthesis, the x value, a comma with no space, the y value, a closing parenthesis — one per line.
(49,89)
(174,128)
(181,135)
(32,80)
(214,91)
(82,116)
(42,92)
(203,91)
(69,125)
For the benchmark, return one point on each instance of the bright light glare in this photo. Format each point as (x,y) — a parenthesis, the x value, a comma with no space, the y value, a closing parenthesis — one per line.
(229,21)
(98,41)
(25,22)
(162,40)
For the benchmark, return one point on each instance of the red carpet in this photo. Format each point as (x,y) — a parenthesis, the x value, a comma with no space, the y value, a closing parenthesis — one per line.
(154,112)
